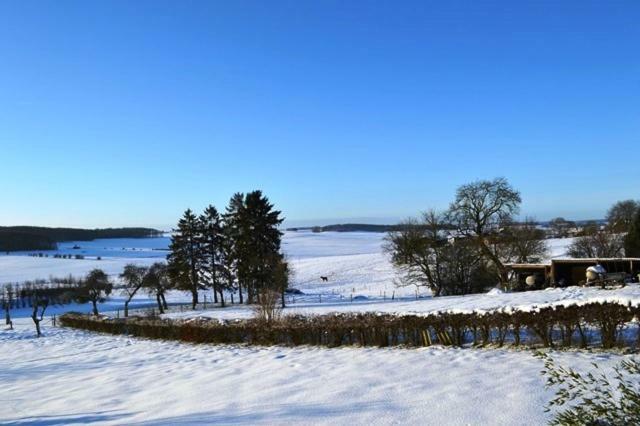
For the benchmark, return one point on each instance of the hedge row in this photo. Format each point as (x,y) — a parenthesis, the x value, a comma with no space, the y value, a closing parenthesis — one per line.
(592,324)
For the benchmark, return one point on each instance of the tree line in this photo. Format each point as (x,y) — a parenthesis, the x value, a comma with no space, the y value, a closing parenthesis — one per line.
(21,238)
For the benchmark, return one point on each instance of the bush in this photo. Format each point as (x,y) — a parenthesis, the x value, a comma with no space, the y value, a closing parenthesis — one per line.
(592,398)
(547,327)
(267,309)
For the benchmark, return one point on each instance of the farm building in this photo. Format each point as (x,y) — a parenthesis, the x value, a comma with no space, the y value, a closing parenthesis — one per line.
(565,272)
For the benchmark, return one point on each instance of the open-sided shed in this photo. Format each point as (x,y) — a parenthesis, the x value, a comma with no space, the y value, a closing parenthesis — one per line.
(540,271)
(565,272)
(573,271)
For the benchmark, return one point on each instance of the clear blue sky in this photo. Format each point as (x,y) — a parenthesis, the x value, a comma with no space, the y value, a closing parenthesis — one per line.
(127,112)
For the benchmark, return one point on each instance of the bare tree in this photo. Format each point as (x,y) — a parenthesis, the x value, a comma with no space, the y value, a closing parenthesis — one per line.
(425,257)
(524,242)
(417,251)
(621,215)
(597,243)
(282,276)
(8,298)
(94,288)
(133,279)
(267,309)
(479,210)
(39,303)
(156,281)
(560,226)
(464,269)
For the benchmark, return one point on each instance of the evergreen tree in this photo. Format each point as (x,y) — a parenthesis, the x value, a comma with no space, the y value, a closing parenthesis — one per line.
(226,264)
(632,240)
(263,239)
(185,259)
(236,230)
(212,241)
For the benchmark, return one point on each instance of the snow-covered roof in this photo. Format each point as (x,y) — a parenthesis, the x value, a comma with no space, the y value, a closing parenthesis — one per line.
(595,259)
(573,260)
(528,265)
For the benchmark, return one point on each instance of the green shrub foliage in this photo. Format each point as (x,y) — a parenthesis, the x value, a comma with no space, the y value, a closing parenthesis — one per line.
(593,398)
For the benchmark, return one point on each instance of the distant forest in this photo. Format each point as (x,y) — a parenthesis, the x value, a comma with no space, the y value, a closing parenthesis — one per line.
(18,238)
(365,227)
(352,227)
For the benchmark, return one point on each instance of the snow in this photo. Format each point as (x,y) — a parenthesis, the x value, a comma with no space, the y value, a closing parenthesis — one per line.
(525,301)
(304,244)
(558,247)
(598,269)
(14,269)
(71,376)
(354,262)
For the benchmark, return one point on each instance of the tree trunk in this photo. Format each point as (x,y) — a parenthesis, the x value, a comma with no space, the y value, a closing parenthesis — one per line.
(249,294)
(126,308)
(282,295)
(36,321)
(194,285)
(194,299)
(221,298)
(240,293)
(160,308)
(164,301)
(502,271)
(95,307)
(214,282)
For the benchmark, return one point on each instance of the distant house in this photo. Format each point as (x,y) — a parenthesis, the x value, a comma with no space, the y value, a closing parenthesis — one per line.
(565,272)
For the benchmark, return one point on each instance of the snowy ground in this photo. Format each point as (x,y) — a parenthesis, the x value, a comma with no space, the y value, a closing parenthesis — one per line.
(353,261)
(15,269)
(75,377)
(312,304)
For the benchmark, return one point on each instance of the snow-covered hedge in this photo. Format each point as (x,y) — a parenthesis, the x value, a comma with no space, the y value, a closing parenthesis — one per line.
(591,324)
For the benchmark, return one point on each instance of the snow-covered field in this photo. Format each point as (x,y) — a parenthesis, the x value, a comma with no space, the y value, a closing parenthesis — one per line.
(75,377)
(14,269)
(311,304)
(353,261)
